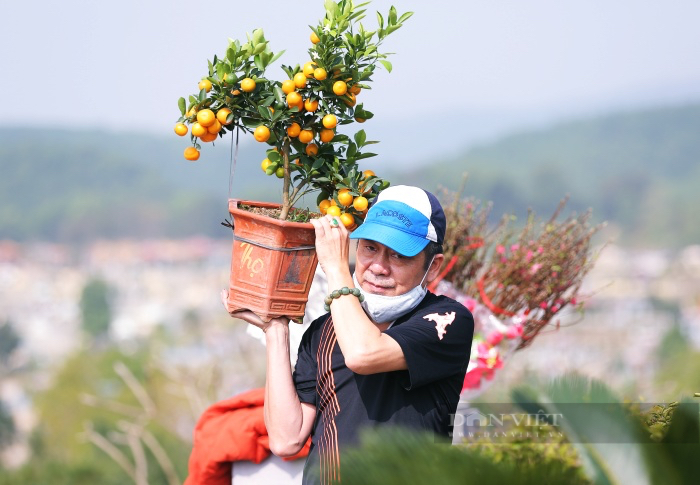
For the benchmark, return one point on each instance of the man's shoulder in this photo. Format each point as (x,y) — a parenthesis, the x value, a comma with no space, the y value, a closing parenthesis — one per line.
(433,302)
(440,307)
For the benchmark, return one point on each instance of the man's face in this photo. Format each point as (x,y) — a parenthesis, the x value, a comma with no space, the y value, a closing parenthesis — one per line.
(382,271)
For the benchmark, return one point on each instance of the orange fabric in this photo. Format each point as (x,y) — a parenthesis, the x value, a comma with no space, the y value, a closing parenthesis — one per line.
(228,431)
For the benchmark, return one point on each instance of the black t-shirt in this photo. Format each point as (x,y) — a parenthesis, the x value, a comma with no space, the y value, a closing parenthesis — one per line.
(436,340)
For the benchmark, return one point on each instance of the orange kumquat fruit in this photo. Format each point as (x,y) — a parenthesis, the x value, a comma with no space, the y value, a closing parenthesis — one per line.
(333,210)
(340,88)
(306,136)
(191,154)
(262,133)
(288,86)
(330,121)
(222,116)
(248,85)
(205,84)
(312,149)
(206,117)
(293,130)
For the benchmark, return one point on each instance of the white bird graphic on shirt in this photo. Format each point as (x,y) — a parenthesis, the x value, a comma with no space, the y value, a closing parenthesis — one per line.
(441,322)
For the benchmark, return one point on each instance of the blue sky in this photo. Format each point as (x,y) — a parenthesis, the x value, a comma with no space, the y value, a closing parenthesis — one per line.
(479,67)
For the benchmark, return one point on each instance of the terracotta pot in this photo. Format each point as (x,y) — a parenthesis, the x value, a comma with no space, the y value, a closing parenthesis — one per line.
(272,263)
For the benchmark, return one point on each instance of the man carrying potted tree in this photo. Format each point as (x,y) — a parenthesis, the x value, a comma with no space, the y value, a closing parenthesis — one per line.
(388,353)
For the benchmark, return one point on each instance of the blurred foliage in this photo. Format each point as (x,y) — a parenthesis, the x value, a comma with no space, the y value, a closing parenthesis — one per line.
(7,426)
(87,393)
(9,341)
(679,373)
(42,472)
(661,446)
(673,342)
(658,419)
(95,308)
(518,450)
(396,457)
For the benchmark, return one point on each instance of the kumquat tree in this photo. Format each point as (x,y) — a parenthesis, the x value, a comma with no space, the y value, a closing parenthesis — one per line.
(298,117)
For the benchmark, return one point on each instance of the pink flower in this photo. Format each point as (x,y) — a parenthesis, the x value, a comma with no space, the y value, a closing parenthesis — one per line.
(535,268)
(514,247)
(504,259)
(470,304)
(494,338)
(528,255)
(514,331)
(544,305)
(483,349)
(555,308)
(573,300)
(540,249)
(488,360)
(500,249)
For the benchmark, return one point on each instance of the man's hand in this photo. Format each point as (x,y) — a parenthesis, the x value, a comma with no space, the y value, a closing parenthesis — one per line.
(252,318)
(332,244)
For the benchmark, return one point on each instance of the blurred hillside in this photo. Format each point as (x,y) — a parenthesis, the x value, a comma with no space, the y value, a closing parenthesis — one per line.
(78,185)
(635,169)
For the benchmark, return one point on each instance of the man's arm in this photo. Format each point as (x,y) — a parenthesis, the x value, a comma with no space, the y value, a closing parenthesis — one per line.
(287,419)
(366,349)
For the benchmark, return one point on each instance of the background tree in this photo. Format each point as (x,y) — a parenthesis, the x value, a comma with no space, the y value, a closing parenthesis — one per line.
(9,341)
(7,426)
(96,309)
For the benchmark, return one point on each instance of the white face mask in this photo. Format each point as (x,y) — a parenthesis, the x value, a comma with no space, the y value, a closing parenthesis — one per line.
(383,309)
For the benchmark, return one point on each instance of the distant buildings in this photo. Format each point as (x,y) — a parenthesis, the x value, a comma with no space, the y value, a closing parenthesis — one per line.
(633,299)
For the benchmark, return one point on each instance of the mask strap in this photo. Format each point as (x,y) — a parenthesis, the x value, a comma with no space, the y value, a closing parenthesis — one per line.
(427,271)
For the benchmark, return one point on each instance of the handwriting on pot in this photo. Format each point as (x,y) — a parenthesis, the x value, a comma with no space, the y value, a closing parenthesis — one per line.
(254,265)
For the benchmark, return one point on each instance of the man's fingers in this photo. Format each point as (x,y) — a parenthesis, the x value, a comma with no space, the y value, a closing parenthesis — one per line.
(336,224)
(323,225)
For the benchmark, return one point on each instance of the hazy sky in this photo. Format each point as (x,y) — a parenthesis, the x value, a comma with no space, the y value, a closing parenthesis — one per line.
(122,65)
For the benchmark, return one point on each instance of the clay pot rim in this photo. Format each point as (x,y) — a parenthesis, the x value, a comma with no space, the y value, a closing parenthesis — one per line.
(234,210)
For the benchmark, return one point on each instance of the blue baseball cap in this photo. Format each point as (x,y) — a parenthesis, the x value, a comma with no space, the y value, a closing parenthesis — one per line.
(405,219)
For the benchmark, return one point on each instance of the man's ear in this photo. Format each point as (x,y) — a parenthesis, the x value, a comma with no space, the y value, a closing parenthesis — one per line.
(435,268)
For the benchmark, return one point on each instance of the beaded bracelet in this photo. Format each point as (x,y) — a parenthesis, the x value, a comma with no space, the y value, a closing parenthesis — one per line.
(338,293)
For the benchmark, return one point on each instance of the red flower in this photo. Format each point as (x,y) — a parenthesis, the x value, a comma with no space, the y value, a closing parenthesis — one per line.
(489,371)
(472,380)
